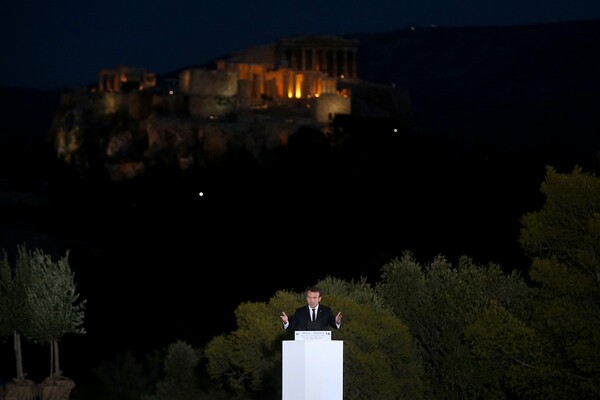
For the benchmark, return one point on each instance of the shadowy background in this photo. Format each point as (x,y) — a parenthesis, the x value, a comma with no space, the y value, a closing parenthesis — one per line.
(491,107)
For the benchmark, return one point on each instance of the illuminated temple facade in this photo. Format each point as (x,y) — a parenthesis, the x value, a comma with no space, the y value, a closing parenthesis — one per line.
(304,72)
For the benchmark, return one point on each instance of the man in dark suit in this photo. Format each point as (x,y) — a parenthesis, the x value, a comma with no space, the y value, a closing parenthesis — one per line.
(312,317)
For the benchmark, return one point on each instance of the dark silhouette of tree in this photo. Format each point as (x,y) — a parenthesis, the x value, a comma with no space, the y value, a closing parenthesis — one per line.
(553,353)
(438,302)
(13,285)
(53,305)
(563,239)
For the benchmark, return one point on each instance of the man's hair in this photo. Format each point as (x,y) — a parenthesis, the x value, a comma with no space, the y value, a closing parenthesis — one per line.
(314,289)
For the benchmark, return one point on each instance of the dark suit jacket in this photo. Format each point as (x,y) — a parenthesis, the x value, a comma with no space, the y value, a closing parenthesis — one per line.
(300,321)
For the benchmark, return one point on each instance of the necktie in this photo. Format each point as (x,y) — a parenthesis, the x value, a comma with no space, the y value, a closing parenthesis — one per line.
(314,317)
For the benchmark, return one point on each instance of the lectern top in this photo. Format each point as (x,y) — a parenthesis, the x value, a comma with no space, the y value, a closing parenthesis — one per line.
(312,335)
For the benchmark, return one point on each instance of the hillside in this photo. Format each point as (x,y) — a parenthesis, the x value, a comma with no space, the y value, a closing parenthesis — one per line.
(491,107)
(526,87)
(521,87)
(488,104)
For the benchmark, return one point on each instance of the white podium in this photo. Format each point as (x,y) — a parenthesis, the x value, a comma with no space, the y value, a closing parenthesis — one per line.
(312,368)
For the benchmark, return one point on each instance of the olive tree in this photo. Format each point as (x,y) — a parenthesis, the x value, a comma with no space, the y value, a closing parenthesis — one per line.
(52,304)
(14,319)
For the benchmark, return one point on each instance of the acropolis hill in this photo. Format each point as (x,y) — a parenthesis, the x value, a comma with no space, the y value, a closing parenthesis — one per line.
(255,99)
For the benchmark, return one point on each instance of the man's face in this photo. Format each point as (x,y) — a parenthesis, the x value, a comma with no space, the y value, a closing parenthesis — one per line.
(313,298)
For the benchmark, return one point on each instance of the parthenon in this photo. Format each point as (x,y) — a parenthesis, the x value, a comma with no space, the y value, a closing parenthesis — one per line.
(332,55)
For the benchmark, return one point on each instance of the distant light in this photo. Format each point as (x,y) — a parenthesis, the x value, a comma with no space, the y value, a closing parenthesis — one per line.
(395,130)
(412,28)
(342,76)
(171,92)
(201,194)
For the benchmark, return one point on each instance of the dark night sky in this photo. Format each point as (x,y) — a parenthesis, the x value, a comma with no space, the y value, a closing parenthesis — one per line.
(64,43)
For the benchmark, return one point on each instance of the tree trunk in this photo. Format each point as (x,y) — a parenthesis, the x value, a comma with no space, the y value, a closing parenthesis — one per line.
(56,372)
(18,356)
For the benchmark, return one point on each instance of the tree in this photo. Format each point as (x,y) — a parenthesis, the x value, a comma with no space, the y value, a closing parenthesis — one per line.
(15,318)
(122,378)
(567,228)
(438,303)
(52,304)
(563,240)
(5,280)
(181,382)
(554,354)
(504,348)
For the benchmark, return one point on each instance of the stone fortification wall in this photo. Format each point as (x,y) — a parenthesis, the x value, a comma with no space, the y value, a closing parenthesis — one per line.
(137,104)
(326,106)
(201,106)
(203,82)
(211,93)
(244,94)
(173,103)
(106,102)
(328,85)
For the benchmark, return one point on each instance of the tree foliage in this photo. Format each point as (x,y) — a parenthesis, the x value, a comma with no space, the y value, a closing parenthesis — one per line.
(438,302)
(41,302)
(52,303)
(121,378)
(6,280)
(555,353)
(181,382)
(15,319)
(567,228)
(563,239)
